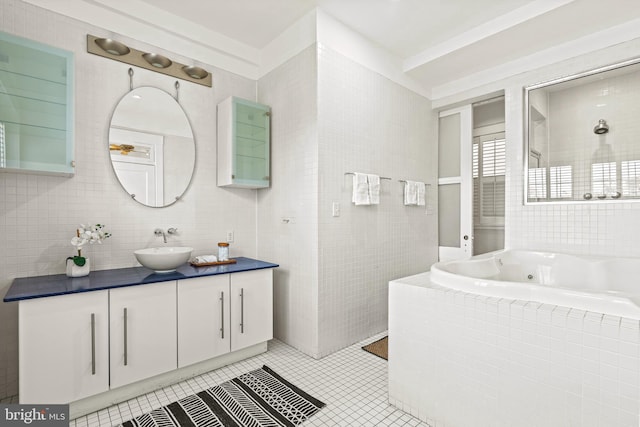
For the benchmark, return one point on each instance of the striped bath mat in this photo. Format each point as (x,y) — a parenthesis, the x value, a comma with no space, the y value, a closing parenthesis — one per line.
(257,398)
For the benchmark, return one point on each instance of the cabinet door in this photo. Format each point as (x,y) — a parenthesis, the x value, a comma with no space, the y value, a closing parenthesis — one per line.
(203,319)
(36,132)
(143,332)
(243,144)
(63,347)
(251,308)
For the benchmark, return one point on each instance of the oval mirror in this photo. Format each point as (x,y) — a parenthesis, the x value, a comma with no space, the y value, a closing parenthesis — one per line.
(151,147)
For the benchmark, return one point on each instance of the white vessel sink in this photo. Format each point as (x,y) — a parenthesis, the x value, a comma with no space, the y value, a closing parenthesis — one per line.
(164,259)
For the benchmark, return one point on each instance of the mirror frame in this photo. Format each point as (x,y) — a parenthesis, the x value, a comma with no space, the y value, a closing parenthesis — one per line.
(195,150)
(526,128)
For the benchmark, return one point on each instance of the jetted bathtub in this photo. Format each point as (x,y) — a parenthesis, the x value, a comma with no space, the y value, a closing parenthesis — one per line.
(602,285)
(517,338)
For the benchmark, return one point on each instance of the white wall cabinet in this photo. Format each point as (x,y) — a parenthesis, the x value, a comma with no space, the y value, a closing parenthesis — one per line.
(251,308)
(243,144)
(37,107)
(203,319)
(143,340)
(64,347)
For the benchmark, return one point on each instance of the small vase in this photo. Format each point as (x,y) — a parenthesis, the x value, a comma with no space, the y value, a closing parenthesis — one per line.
(74,270)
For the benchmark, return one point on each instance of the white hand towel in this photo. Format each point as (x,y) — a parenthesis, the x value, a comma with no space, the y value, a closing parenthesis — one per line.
(410,193)
(374,189)
(204,259)
(421,193)
(360,189)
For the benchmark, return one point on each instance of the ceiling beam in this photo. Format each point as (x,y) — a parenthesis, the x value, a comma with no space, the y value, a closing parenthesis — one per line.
(483,31)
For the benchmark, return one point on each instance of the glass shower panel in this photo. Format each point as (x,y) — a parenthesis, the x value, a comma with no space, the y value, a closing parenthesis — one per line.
(449,146)
(449,215)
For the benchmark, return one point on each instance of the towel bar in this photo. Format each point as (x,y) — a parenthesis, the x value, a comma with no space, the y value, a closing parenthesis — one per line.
(404,180)
(353,173)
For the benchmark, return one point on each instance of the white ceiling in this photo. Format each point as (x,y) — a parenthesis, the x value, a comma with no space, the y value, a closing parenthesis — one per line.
(437,41)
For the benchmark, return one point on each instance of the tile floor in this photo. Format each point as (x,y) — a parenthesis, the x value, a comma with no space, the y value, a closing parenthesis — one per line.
(352,382)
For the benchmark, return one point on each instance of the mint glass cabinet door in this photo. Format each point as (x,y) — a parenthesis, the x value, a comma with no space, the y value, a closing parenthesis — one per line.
(36,107)
(243,144)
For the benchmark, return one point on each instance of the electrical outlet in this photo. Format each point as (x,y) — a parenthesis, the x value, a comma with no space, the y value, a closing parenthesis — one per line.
(335,210)
(230,236)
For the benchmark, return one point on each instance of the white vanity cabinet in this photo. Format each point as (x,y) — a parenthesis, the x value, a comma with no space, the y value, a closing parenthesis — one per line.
(92,348)
(63,347)
(243,144)
(220,314)
(143,340)
(251,308)
(203,319)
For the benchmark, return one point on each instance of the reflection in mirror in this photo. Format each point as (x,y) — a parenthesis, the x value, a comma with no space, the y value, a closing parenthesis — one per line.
(152,147)
(581,136)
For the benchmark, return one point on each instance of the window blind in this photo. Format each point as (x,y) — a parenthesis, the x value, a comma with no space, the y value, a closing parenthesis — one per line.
(489,168)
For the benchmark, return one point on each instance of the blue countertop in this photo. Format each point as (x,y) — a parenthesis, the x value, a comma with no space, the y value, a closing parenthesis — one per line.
(59,284)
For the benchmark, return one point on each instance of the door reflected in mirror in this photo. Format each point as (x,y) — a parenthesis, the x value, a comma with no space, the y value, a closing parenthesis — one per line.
(152,148)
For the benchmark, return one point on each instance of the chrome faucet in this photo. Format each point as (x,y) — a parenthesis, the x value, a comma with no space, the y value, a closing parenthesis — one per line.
(160,232)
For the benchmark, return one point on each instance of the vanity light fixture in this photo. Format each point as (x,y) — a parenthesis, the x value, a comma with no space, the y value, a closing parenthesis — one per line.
(195,72)
(156,60)
(112,49)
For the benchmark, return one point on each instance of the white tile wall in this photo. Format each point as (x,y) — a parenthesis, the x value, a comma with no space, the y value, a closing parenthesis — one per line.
(459,359)
(605,229)
(350,118)
(333,116)
(291,91)
(39,214)
(582,228)
(367,123)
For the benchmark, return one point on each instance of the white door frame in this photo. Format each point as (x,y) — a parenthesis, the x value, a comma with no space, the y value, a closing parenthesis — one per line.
(465,180)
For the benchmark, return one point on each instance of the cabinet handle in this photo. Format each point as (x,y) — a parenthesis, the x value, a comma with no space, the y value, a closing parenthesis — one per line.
(242,310)
(222,314)
(93,343)
(125,336)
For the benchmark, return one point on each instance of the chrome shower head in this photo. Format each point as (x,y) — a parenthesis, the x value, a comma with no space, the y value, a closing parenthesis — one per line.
(601,127)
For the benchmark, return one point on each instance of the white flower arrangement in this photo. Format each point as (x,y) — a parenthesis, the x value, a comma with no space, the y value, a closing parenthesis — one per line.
(87,234)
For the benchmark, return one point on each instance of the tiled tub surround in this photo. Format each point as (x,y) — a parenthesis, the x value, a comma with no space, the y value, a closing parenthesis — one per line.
(461,359)
(96,340)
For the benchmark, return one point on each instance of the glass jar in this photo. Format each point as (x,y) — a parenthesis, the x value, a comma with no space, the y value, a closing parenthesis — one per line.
(223,251)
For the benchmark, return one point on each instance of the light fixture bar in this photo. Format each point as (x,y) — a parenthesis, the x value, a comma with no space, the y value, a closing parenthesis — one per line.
(112,49)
